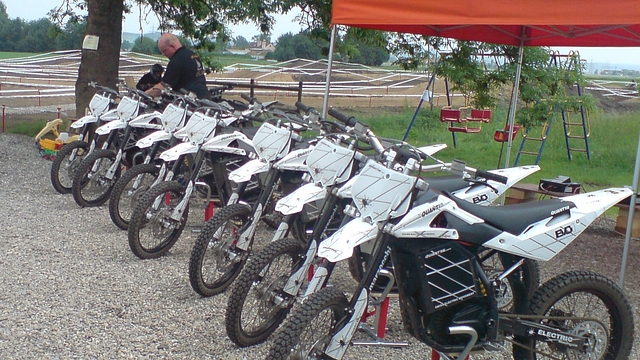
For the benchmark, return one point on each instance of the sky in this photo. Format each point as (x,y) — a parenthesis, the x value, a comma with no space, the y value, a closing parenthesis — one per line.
(612,58)
(38,9)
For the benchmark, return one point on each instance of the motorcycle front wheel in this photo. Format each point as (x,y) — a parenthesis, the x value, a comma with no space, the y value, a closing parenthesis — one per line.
(310,327)
(215,261)
(63,168)
(92,188)
(255,307)
(581,303)
(128,190)
(152,231)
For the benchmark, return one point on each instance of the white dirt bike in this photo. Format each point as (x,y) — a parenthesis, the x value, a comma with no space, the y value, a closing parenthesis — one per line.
(447,300)
(265,292)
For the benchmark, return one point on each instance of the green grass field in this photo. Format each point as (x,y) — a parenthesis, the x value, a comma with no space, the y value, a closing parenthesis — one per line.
(613,142)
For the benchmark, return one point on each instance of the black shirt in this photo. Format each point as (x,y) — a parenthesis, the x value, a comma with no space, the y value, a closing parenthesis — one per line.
(185,71)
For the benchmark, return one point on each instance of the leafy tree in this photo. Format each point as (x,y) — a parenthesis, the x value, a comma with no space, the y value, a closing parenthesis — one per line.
(296,46)
(126,45)
(241,43)
(145,45)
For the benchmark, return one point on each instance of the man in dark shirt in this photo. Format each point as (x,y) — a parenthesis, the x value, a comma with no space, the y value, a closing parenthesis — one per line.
(184,70)
(148,80)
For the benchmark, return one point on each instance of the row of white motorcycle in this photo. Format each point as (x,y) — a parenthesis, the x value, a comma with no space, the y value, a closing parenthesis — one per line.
(466,274)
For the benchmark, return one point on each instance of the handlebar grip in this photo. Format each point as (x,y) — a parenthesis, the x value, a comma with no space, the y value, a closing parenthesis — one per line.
(254,118)
(246,97)
(347,120)
(302,106)
(406,153)
(491,176)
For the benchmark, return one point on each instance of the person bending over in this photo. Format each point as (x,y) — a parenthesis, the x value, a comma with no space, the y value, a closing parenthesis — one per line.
(184,70)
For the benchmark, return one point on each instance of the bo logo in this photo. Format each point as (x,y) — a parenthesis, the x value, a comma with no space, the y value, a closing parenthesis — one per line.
(480,198)
(563,231)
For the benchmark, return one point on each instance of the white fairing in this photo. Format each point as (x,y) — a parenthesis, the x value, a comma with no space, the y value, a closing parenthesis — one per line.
(546,238)
(173,118)
(127,108)
(294,202)
(222,143)
(155,136)
(99,104)
(244,172)
(198,129)
(380,193)
(339,246)
(295,160)
(484,195)
(271,142)
(417,223)
(328,163)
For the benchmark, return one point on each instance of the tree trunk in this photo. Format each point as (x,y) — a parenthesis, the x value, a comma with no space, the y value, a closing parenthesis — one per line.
(100,65)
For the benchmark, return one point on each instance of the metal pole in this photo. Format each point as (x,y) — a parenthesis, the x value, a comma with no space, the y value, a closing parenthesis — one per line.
(514,101)
(325,102)
(632,208)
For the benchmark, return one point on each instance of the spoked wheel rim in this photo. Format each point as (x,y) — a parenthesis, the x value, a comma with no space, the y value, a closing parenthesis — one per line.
(158,226)
(221,257)
(130,196)
(315,337)
(96,184)
(593,320)
(261,303)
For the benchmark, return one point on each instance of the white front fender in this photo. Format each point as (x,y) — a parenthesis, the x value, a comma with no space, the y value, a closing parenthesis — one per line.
(110,126)
(294,202)
(180,149)
(152,138)
(340,245)
(244,172)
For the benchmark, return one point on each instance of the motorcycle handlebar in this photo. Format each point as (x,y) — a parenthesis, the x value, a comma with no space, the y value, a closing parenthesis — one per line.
(347,120)
(247,97)
(491,176)
(303,107)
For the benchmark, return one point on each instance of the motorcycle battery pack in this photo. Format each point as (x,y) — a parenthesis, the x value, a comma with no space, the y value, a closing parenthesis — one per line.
(435,276)
(561,184)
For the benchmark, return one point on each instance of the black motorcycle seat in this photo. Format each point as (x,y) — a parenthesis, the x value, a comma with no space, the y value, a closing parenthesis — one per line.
(515,218)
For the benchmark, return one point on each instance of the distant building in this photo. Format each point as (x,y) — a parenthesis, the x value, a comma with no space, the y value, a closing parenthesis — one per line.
(258,49)
(612,72)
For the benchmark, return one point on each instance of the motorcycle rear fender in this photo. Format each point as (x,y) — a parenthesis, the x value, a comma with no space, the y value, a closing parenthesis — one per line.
(294,202)
(180,149)
(145,121)
(546,238)
(150,139)
(110,126)
(340,245)
(432,149)
(481,194)
(244,172)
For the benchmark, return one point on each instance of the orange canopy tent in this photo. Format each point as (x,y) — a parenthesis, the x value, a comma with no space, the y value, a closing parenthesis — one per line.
(513,22)
(576,23)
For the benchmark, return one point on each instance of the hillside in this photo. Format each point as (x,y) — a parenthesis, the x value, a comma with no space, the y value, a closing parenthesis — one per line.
(131,37)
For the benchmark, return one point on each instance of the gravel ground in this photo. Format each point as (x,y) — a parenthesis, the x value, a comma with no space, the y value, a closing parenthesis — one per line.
(72,288)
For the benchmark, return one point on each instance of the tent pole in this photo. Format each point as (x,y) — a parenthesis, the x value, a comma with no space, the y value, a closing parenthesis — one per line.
(632,207)
(514,100)
(325,102)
